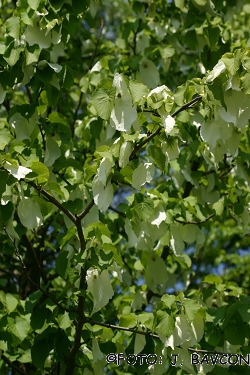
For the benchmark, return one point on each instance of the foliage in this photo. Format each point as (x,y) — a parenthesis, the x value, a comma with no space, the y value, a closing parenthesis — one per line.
(124,184)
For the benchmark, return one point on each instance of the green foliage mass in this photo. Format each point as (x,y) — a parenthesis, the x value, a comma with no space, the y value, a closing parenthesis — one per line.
(124,187)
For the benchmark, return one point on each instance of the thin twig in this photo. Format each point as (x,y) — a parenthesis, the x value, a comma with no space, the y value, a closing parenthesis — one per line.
(62,177)
(86,211)
(14,367)
(43,138)
(146,140)
(112,326)
(117,211)
(53,200)
(194,222)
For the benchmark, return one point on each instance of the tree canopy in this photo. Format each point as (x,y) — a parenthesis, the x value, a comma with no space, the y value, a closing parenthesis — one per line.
(124,187)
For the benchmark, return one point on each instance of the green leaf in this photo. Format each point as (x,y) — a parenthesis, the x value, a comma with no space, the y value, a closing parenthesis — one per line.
(179,3)
(32,54)
(128,321)
(12,54)
(39,319)
(11,302)
(245,83)
(191,308)
(212,279)
(34,4)
(232,61)
(39,352)
(138,90)
(62,264)
(29,213)
(4,138)
(219,206)
(235,333)
(19,327)
(168,299)
(157,155)
(70,233)
(64,321)
(52,152)
(22,127)
(41,171)
(167,51)
(143,206)
(166,325)
(103,101)
(212,334)
(144,173)
(13,27)
(80,6)
(3,182)
(200,2)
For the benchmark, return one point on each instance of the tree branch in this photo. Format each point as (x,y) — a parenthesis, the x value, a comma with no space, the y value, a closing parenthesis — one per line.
(183,108)
(195,222)
(11,364)
(112,326)
(61,175)
(53,200)
(117,211)
(18,255)
(86,211)
(80,309)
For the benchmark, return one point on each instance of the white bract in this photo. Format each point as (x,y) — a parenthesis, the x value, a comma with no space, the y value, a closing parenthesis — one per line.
(104,170)
(18,172)
(100,287)
(103,195)
(124,113)
(217,70)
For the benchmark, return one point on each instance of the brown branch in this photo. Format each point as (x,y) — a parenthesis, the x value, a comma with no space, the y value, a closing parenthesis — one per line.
(117,211)
(112,326)
(183,108)
(86,211)
(61,175)
(195,222)
(18,255)
(43,137)
(76,113)
(53,200)
(80,310)
(14,367)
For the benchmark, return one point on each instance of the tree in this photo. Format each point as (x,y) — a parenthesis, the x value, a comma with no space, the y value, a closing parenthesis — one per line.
(124,185)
